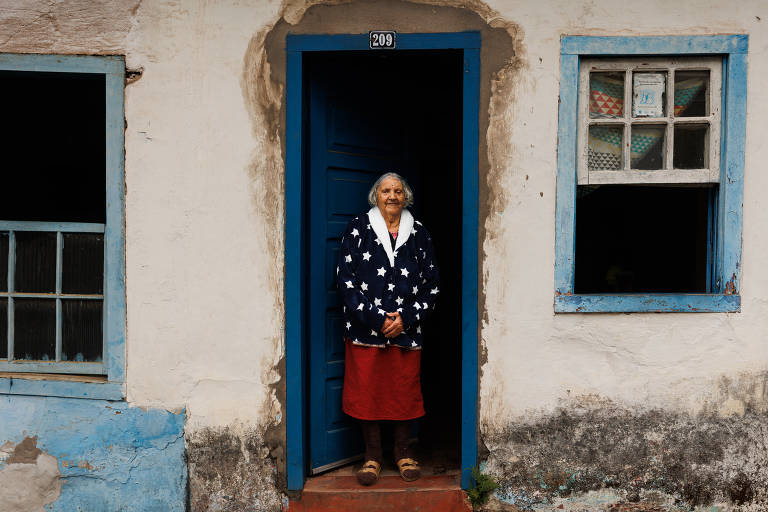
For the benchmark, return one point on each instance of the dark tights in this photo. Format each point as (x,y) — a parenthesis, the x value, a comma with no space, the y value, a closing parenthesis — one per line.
(372,438)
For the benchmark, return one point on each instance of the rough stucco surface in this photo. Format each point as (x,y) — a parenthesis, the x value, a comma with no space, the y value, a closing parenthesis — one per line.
(670,360)
(674,459)
(229,470)
(72,454)
(29,479)
(676,402)
(79,26)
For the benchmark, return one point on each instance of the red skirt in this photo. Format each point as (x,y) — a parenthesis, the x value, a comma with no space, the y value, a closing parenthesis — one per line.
(382,383)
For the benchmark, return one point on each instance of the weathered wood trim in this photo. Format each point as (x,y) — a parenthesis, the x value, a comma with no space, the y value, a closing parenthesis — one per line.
(648,303)
(114,316)
(727,216)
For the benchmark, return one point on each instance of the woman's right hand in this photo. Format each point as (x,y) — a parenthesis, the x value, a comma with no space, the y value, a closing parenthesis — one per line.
(393,325)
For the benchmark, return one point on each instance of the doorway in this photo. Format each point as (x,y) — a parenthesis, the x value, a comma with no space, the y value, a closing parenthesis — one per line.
(363,113)
(369,113)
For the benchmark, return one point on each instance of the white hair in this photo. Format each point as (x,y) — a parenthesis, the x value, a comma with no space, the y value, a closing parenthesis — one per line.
(407,192)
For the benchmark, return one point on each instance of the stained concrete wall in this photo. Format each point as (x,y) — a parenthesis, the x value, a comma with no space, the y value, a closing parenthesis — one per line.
(204,235)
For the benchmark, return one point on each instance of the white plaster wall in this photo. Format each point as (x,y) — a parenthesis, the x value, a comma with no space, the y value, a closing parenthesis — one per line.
(204,319)
(536,359)
(204,322)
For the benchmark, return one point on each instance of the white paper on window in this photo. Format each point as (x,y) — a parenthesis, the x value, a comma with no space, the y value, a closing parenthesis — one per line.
(648,95)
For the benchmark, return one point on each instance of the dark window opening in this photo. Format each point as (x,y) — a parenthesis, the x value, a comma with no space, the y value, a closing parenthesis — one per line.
(3,328)
(34,329)
(53,141)
(53,144)
(642,239)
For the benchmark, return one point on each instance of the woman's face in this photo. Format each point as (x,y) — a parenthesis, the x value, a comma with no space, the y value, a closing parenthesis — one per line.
(390,197)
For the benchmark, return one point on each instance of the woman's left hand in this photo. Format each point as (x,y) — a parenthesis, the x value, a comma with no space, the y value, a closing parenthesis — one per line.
(395,327)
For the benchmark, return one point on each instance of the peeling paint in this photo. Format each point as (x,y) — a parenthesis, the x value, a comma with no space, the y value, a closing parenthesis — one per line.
(30,479)
(81,455)
(26,452)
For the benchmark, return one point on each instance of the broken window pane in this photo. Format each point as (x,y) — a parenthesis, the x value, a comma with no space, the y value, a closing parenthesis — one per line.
(606,95)
(34,329)
(35,262)
(605,148)
(690,147)
(81,338)
(641,239)
(3,328)
(691,93)
(648,94)
(647,147)
(83,263)
(3,263)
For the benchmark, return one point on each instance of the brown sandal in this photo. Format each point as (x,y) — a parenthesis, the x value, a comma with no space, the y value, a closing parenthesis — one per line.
(369,473)
(409,469)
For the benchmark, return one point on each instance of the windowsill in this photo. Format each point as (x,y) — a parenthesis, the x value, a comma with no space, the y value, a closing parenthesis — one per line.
(59,385)
(648,303)
(101,379)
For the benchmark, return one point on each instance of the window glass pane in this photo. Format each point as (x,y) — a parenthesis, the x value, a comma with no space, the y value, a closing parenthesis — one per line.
(691,93)
(53,141)
(4,262)
(605,148)
(641,239)
(647,148)
(35,262)
(3,328)
(81,337)
(690,147)
(606,95)
(34,329)
(648,94)
(83,263)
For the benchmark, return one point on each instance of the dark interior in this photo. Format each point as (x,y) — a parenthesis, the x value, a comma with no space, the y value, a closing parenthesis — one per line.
(437,156)
(52,141)
(422,92)
(642,239)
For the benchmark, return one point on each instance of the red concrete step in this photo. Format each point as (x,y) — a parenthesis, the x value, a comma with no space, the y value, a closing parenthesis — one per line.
(434,493)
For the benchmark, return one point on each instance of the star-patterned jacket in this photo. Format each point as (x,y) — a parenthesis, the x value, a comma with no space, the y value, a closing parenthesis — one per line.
(374,279)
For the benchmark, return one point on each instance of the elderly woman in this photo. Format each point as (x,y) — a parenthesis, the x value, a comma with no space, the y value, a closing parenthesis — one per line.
(388,280)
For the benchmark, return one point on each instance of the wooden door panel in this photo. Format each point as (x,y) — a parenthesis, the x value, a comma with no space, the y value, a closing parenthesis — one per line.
(349,149)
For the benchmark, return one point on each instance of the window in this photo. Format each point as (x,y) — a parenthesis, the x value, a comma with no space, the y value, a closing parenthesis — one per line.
(62,299)
(649,121)
(650,168)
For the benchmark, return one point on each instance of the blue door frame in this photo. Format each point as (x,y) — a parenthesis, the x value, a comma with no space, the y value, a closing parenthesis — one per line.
(295,242)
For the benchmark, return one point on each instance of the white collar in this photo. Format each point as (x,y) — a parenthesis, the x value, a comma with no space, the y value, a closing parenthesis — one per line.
(380,228)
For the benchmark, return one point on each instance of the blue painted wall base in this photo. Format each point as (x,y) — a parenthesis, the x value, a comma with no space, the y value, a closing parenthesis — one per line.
(111,456)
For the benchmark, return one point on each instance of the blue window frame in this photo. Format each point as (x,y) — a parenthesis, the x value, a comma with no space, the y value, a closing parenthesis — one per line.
(726,209)
(91,304)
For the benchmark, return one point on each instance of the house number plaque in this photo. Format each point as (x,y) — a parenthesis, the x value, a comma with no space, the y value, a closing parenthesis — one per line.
(382,39)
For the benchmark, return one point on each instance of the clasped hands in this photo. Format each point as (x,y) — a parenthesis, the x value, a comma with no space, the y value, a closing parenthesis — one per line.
(393,325)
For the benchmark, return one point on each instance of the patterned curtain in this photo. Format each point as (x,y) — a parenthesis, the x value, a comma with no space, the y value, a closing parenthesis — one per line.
(606,100)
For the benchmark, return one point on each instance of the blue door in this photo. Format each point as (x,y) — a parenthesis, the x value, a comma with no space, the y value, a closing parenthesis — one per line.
(327,160)
(354,138)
